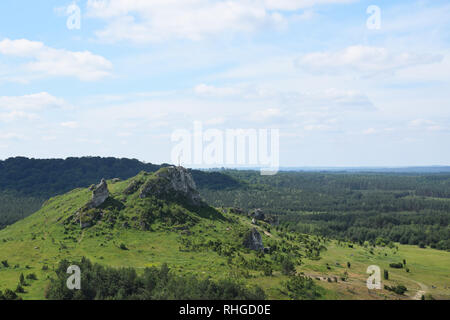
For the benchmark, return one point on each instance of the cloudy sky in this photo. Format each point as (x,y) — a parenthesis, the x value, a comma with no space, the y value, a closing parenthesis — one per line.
(341,92)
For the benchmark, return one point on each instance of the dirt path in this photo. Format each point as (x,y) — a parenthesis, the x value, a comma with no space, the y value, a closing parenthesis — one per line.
(421,292)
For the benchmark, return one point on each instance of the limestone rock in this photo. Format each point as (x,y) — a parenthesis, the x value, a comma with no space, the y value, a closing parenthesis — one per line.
(172,181)
(253,240)
(99,194)
(258,214)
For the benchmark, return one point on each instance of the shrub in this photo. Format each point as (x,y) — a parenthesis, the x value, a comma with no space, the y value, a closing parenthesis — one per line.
(287,267)
(20,289)
(399,289)
(302,288)
(396,265)
(268,271)
(9,295)
(31,276)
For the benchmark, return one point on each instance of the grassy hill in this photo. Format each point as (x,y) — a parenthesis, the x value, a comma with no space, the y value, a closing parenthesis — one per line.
(26,183)
(199,240)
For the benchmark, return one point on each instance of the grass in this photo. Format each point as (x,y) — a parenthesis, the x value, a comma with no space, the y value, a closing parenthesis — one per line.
(43,240)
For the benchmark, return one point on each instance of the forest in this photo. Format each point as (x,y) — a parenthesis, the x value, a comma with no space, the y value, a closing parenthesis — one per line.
(407,208)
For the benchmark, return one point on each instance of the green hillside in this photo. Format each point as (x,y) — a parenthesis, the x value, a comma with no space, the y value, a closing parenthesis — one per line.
(146,223)
(26,183)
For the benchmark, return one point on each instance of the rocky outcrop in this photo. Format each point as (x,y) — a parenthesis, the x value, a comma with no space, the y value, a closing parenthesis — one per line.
(253,240)
(99,194)
(237,211)
(258,215)
(172,181)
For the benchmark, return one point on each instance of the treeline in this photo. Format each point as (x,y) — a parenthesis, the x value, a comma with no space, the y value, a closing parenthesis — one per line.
(105,283)
(422,229)
(14,206)
(48,177)
(405,208)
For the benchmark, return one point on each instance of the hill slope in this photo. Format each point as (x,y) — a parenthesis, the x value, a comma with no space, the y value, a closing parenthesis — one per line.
(146,221)
(26,183)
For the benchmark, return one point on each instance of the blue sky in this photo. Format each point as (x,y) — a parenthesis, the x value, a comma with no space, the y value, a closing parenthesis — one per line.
(341,94)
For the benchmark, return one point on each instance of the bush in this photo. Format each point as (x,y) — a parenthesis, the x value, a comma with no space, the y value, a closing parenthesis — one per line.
(268,271)
(9,295)
(396,265)
(31,276)
(302,288)
(399,289)
(20,289)
(287,267)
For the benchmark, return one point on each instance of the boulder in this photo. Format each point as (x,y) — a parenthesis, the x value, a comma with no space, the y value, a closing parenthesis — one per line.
(253,240)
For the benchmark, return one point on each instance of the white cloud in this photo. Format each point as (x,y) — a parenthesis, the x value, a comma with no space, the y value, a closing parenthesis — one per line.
(271,114)
(11,136)
(331,98)
(425,124)
(212,91)
(370,131)
(70,124)
(158,20)
(363,59)
(16,115)
(300,4)
(317,127)
(31,102)
(421,122)
(215,121)
(46,61)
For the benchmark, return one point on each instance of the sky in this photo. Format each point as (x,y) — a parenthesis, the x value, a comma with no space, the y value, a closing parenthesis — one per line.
(346,82)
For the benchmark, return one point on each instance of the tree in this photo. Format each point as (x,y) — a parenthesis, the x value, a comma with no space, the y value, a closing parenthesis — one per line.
(268,270)
(302,288)
(22,280)
(386,275)
(287,267)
